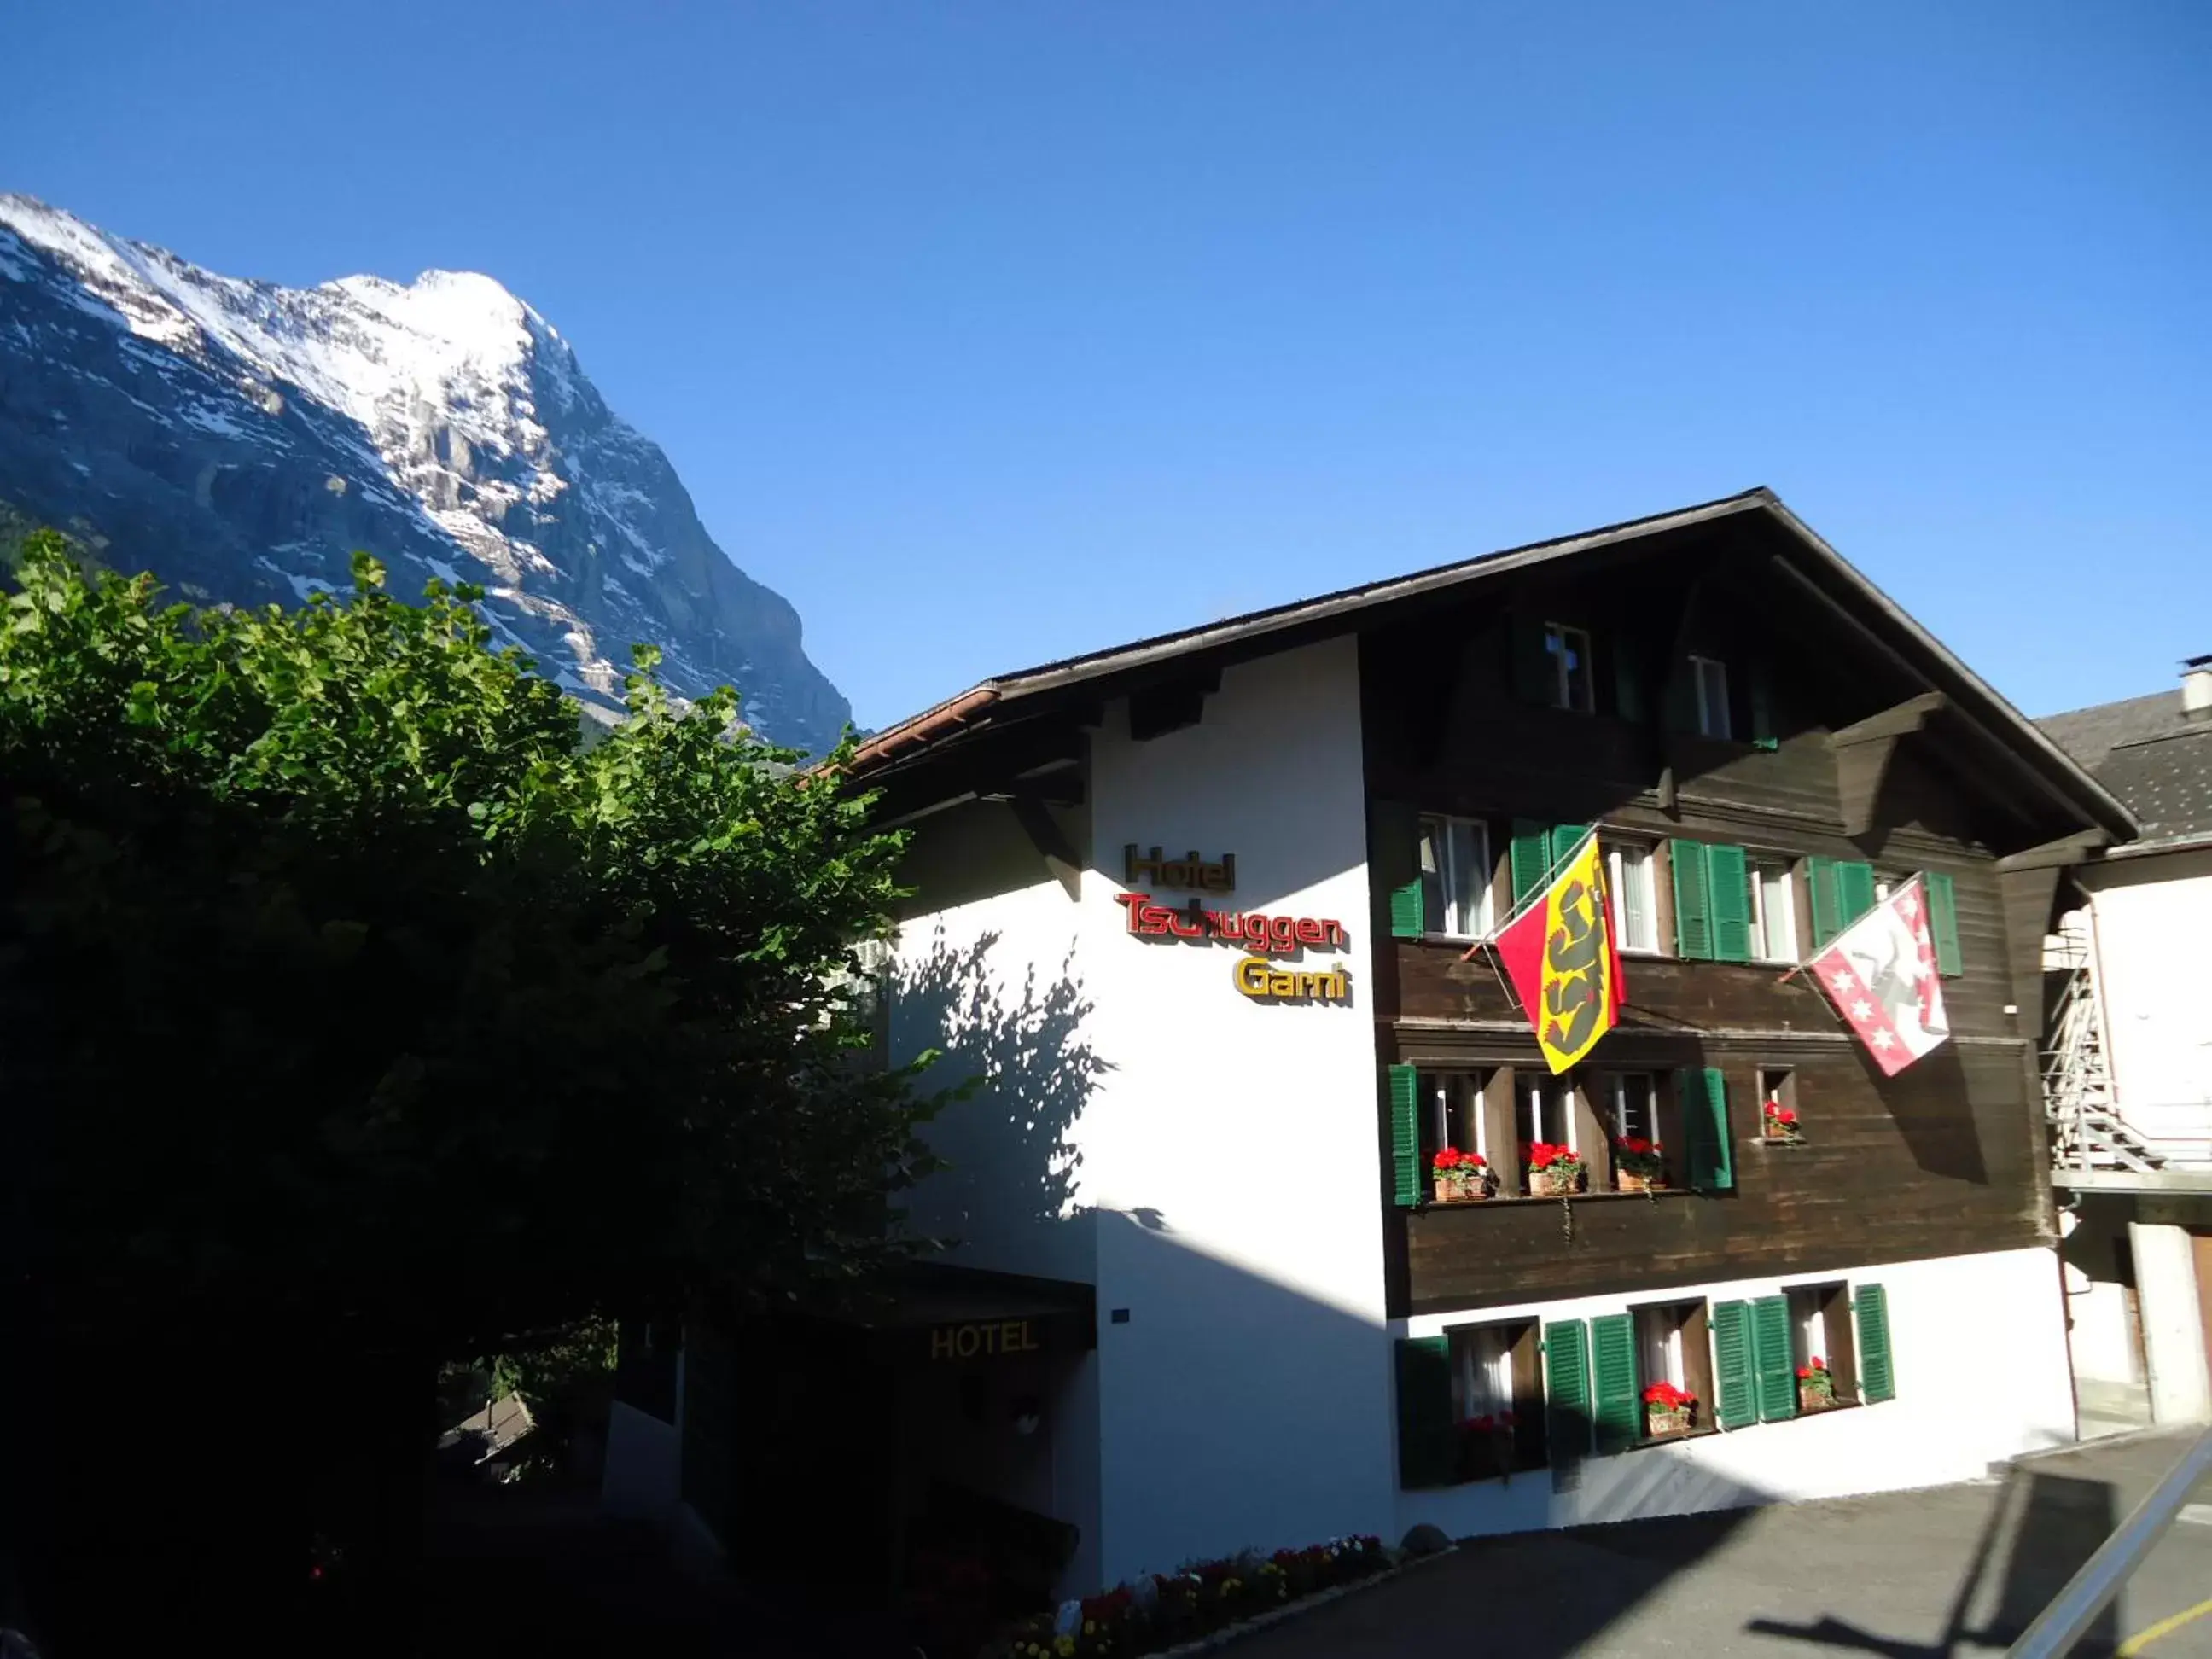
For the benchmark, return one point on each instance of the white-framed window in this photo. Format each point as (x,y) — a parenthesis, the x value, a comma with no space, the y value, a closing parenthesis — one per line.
(1454,1100)
(1635,1106)
(1486,1368)
(1547,1112)
(1455,876)
(1773,909)
(1632,890)
(1567,651)
(1710,678)
(1661,1332)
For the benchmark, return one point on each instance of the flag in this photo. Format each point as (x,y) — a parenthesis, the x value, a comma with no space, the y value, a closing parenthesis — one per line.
(1882,976)
(1558,952)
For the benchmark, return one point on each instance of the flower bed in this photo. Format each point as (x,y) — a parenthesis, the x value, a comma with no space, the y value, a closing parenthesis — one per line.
(1168,1609)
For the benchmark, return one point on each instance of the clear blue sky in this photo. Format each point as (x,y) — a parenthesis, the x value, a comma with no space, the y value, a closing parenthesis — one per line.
(989,333)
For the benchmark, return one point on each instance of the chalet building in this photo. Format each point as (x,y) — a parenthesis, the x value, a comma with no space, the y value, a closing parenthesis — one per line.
(1200,913)
(2128,1071)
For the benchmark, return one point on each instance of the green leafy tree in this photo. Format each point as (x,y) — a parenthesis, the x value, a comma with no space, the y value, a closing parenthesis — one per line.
(353,1002)
(352,969)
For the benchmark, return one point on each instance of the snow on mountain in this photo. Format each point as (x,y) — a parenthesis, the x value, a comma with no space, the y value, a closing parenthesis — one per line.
(240,440)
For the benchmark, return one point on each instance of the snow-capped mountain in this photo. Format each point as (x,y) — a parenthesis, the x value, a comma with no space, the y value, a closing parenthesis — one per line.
(241,440)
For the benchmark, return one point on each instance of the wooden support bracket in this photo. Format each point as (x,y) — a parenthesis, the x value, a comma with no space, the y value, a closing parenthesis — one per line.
(1864,750)
(1051,843)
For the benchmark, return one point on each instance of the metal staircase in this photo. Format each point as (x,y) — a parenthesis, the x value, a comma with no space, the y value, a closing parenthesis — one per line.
(2087,1131)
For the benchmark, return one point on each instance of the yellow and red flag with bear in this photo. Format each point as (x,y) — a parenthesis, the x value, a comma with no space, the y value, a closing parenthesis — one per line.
(1558,952)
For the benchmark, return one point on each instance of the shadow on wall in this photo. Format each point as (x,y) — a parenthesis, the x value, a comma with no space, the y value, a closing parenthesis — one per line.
(1008,1148)
(1922,1103)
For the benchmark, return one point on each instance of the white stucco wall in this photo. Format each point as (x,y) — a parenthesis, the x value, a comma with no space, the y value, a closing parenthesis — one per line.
(2172,1323)
(1223,1180)
(2152,930)
(1978,1345)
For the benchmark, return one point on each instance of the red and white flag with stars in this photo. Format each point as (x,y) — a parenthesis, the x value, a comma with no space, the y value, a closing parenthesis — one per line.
(1880,974)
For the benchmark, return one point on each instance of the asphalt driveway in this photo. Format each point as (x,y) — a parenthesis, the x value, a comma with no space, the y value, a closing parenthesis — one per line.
(1948,1571)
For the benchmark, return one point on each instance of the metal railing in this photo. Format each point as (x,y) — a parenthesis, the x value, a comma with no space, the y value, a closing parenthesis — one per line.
(2089,1592)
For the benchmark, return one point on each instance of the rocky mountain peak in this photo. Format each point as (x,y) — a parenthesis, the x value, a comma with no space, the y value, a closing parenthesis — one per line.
(240,438)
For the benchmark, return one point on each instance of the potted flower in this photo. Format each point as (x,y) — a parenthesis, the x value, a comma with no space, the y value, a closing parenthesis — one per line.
(1668,1410)
(1554,1171)
(1638,1165)
(1780,1122)
(1816,1387)
(1460,1177)
(1488,1443)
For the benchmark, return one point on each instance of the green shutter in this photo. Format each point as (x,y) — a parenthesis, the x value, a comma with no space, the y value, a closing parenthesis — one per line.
(1827,910)
(1693,911)
(1408,919)
(1405,1134)
(1567,1390)
(1680,696)
(1702,1094)
(1733,1371)
(1394,851)
(1425,1439)
(1628,700)
(1943,924)
(1565,839)
(1774,1359)
(1617,1412)
(1531,857)
(1763,732)
(1730,893)
(1535,678)
(1876,1379)
(1854,889)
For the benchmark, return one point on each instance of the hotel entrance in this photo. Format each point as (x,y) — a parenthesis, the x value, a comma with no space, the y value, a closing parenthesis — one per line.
(928,1453)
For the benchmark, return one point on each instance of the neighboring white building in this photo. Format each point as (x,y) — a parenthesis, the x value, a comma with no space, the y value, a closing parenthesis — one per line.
(1197,912)
(2130,1080)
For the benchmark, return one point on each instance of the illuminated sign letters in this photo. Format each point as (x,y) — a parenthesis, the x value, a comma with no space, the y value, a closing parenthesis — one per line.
(1259,935)
(995,1337)
(1190,872)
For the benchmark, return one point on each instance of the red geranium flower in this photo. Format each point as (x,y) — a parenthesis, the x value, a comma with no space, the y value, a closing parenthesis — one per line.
(1449,1158)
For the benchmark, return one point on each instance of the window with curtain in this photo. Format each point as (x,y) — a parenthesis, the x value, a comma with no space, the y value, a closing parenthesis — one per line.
(1456,871)
(1632,893)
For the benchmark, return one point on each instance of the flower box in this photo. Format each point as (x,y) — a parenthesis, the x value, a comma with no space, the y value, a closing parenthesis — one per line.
(1668,1411)
(1555,1171)
(1460,1177)
(1638,1165)
(1779,1123)
(1816,1386)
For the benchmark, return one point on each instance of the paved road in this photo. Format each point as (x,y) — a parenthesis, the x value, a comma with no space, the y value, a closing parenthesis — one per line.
(1940,1574)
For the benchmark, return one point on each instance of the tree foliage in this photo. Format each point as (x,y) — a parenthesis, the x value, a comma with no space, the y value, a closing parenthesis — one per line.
(346,988)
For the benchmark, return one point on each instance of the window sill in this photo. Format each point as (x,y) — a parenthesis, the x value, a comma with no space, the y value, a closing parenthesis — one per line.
(1798,1144)
(1650,1440)
(1557,1198)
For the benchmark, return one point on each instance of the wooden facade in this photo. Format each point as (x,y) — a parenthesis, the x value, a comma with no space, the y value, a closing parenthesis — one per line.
(1837,752)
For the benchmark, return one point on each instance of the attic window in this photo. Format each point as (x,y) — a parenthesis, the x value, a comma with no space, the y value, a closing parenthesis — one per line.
(1567,654)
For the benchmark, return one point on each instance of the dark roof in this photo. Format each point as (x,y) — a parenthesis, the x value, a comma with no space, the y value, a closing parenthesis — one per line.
(2151,755)
(1828,573)
(2090,734)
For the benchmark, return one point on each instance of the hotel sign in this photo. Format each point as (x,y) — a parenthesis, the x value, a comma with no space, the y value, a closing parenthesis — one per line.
(984,1339)
(1260,935)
